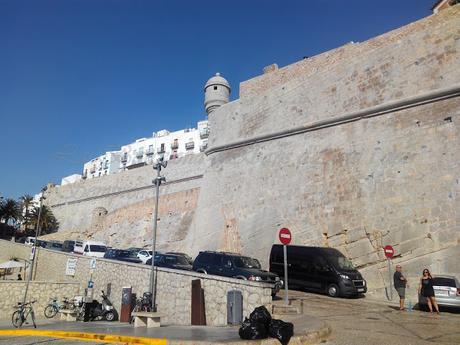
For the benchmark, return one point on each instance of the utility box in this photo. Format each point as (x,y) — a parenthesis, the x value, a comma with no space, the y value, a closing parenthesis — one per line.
(126,302)
(234,307)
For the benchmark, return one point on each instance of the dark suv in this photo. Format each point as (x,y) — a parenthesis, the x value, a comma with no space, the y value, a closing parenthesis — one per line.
(235,266)
(122,255)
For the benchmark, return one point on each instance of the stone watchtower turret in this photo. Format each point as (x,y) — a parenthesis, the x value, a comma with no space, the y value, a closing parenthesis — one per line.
(216,93)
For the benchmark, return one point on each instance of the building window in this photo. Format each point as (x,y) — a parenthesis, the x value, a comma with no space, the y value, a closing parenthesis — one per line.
(215,87)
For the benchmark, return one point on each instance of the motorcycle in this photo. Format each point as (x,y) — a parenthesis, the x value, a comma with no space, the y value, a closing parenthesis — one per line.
(104,310)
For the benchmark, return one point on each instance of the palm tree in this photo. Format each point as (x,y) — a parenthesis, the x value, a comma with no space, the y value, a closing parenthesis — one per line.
(48,222)
(26,203)
(10,209)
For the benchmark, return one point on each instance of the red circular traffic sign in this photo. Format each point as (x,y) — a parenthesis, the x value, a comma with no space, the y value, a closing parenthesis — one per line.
(285,236)
(389,251)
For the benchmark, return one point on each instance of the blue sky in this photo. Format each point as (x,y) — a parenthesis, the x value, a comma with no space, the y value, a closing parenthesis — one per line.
(81,77)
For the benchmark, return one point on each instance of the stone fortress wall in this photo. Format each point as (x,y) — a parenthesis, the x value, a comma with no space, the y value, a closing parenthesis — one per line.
(118,208)
(354,148)
(173,286)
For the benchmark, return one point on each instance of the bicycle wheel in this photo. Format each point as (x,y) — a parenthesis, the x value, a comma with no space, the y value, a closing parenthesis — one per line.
(17,319)
(50,311)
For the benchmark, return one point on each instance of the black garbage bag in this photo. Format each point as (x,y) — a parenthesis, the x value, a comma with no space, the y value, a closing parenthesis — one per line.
(260,315)
(283,331)
(252,330)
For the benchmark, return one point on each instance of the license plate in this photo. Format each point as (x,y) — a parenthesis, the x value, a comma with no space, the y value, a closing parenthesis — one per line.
(442,293)
(360,290)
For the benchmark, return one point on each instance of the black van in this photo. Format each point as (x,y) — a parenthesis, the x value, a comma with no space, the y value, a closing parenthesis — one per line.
(324,270)
(235,266)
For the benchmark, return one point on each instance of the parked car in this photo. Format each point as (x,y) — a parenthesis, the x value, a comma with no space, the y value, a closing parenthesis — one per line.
(69,245)
(134,249)
(121,255)
(186,256)
(446,291)
(54,245)
(319,269)
(30,240)
(171,261)
(90,248)
(235,266)
(144,255)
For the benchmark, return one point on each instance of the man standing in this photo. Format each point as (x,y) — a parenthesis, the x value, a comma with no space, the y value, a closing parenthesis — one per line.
(400,283)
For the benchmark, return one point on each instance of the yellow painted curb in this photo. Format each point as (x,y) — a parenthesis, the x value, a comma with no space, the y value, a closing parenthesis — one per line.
(106,338)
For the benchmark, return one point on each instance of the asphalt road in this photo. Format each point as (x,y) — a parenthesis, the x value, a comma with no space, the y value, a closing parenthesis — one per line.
(363,322)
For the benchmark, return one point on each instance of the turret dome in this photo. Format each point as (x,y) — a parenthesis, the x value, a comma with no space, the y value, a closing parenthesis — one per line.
(217,92)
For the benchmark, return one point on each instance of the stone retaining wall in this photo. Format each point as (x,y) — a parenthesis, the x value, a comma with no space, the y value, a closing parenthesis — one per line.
(173,286)
(12,292)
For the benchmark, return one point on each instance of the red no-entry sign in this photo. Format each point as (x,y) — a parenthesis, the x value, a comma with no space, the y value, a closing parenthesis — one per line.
(285,236)
(389,251)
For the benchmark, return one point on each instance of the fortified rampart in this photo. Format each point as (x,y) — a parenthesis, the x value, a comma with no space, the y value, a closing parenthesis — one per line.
(354,148)
(118,208)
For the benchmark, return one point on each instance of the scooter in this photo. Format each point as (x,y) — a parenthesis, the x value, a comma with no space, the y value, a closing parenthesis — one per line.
(104,310)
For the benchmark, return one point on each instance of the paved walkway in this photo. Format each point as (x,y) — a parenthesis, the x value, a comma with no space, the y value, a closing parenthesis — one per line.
(308,330)
(366,322)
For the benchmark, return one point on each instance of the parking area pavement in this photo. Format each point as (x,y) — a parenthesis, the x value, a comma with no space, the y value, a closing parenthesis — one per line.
(363,321)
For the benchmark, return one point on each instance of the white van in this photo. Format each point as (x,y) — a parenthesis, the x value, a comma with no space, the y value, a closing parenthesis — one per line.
(30,241)
(90,248)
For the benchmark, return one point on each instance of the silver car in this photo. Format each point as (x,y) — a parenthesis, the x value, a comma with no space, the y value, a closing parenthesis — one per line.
(446,291)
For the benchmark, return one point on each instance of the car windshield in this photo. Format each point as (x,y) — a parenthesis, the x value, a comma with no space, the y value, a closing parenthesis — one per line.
(126,254)
(341,262)
(96,248)
(246,262)
(178,260)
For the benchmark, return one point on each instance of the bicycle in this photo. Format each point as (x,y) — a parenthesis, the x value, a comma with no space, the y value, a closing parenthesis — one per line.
(54,307)
(22,313)
(143,303)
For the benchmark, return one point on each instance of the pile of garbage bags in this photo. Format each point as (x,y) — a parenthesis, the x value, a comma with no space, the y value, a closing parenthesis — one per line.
(260,325)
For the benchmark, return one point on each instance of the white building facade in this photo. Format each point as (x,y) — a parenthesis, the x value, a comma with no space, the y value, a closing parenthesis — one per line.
(162,144)
(165,144)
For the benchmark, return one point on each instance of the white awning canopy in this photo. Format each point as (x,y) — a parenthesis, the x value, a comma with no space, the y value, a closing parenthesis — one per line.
(12,264)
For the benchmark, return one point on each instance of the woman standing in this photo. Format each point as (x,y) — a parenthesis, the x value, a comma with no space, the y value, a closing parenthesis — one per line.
(427,291)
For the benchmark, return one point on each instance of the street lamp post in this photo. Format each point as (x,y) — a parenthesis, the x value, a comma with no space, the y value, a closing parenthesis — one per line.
(157,182)
(34,248)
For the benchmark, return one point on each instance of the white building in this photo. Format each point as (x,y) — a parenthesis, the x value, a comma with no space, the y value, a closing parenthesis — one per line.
(169,145)
(106,164)
(70,179)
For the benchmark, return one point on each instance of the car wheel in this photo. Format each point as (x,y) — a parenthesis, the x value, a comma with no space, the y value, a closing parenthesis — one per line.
(333,290)
(202,271)
(109,316)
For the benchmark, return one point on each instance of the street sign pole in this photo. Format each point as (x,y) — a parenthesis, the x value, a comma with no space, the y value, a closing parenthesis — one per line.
(286,296)
(389,252)
(389,277)
(285,238)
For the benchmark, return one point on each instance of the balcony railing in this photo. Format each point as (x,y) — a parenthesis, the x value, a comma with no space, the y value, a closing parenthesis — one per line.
(124,159)
(204,132)
(189,145)
(203,147)
(149,152)
(175,145)
(161,150)
(140,154)
(92,170)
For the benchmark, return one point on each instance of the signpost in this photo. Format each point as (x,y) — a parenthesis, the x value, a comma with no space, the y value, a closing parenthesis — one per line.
(92,267)
(285,238)
(71,267)
(389,252)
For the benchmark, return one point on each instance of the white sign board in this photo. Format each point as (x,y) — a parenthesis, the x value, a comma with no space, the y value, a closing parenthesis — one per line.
(71,267)
(92,264)
(32,253)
